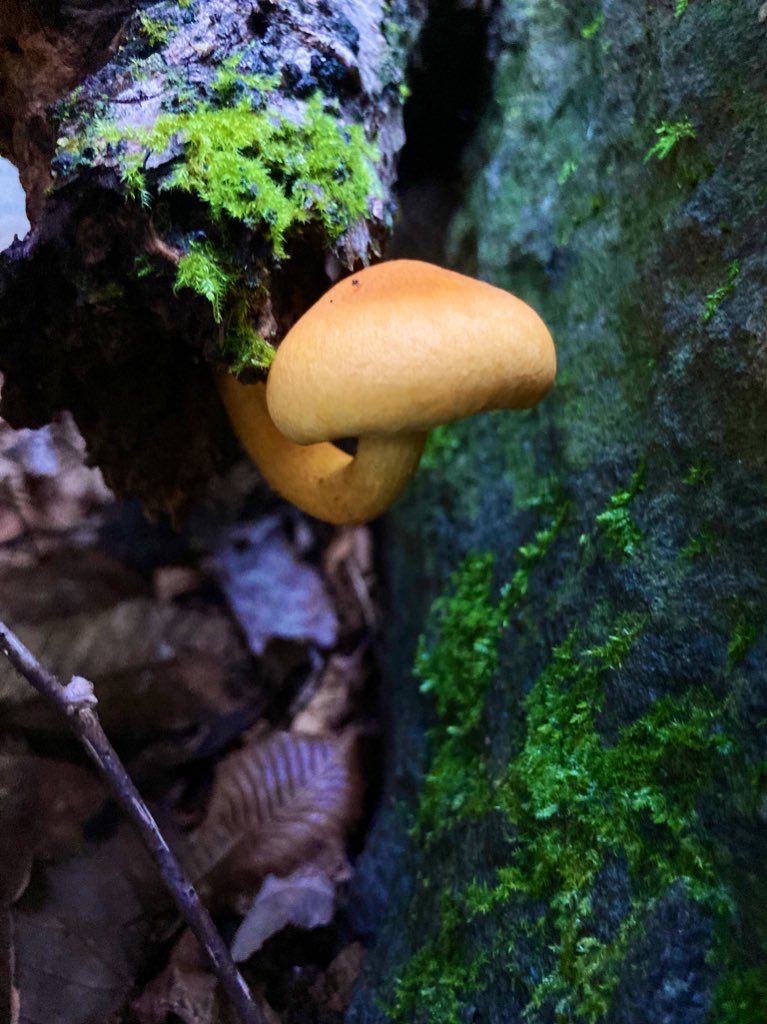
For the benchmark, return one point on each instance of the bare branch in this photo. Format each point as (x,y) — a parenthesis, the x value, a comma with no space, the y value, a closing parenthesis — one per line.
(76,701)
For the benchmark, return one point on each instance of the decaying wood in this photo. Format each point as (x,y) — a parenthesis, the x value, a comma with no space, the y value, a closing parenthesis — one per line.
(79,328)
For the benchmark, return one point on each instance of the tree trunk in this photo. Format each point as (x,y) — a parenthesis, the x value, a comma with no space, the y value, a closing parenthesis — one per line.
(582,835)
(579,836)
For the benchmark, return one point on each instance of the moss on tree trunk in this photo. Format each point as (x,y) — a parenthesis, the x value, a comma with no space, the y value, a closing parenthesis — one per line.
(581,836)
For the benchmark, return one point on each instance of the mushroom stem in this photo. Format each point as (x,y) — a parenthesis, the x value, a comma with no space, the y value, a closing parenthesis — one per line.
(320,478)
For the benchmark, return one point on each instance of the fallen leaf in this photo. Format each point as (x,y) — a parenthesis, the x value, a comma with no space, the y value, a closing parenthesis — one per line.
(20,832)
(271,592)
(81,932)
(43,806)
(330,705)
(68,582)
(276,806)
(186,991)
(171,581)
(44,479)
(305,898)
(9,995)
(66,796)
(127,637)
(334,988)
(347,563)
(185,988)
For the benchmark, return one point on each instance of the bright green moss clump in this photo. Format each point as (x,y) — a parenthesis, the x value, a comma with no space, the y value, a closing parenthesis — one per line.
(157,30)
(574,804)
(212,274)
(621,533)
(203,270)
(457,670)
(715,298)
(670,134)
(251,164)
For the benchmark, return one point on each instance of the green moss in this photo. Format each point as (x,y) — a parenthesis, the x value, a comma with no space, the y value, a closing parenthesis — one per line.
(740,997)
(441,444)
(681,7)
(262,169)
(715,298)
(157,30)
(252,166)
(593,27)
(566,171)
(245,349)
(578,804)
(203,270)
(440,973)
(143,266)
(703,543)
(698,474)
(456,670)
(670,134)
(213,273)
(742,640)
(621,533)
(575,805)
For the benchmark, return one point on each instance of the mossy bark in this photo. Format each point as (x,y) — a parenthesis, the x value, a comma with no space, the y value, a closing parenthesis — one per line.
(581,834)
(259,139)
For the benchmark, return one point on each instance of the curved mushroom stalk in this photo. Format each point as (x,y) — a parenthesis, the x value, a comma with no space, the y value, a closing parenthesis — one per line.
(320,478)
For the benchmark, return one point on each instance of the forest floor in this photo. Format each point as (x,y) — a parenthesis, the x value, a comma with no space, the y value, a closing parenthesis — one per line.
(234,665)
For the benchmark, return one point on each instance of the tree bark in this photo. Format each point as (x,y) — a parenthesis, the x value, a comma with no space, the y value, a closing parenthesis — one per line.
(581,837)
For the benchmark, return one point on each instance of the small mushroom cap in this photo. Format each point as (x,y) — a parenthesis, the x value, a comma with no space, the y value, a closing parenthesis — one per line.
(405,346)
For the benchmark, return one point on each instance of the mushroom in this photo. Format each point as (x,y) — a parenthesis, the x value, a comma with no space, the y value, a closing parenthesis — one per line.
(385,355)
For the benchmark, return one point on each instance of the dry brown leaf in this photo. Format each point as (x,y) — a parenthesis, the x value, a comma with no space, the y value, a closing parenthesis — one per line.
(186,988)
(348,567)
(43,805)
(171,581)
(272,593)
(19,830)
(186,991)
(334,988)
(69,582)
(128,637)
(44,479)
(67,795)
(9,995)
(329,707)
(81,936)
(305,898)
(275,806)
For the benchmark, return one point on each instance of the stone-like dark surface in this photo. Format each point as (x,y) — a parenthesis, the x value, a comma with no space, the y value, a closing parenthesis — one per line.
(651,272)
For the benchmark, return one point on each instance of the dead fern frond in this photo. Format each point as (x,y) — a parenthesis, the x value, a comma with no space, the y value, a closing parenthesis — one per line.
(277,805)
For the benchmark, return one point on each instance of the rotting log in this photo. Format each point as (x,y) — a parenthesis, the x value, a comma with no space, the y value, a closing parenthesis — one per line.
(161,244)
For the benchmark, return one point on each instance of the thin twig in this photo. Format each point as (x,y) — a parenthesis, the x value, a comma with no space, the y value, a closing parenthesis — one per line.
(76,701)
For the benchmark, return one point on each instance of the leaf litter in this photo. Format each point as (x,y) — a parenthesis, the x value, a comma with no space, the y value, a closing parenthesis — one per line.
(233,676)
(305,898)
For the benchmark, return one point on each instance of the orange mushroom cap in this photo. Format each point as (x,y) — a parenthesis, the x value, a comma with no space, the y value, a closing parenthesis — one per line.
(385,355)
